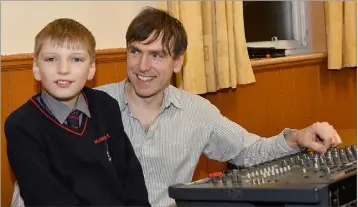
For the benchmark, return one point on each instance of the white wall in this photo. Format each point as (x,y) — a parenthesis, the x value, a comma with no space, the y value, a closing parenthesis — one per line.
(108,21)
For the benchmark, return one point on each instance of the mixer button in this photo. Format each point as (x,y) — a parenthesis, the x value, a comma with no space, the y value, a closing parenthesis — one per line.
(288,168)
(276,171)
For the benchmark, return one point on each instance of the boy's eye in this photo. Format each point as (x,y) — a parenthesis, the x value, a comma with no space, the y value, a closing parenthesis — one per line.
(76,59)
(50,59)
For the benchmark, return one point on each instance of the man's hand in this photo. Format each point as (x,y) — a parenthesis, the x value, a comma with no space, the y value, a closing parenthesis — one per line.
(318,137)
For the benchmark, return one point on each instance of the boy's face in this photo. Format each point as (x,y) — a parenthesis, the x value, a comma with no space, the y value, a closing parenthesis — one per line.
(63,71)
(150,67)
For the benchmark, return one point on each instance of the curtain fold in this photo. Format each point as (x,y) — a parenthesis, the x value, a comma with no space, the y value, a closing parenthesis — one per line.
(341,30)
(217,54)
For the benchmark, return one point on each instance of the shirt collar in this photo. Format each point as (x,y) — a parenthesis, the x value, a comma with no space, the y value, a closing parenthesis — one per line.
(60,110)
(171,96)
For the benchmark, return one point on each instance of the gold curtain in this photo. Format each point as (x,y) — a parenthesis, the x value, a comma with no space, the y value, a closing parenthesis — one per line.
(217,54)
(341,29)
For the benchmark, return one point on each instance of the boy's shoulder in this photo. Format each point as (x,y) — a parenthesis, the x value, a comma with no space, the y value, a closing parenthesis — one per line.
(21,115)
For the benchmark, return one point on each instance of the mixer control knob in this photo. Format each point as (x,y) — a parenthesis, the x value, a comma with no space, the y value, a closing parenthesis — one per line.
(354,150)
(292,161)
(310,154)
(284,163)
(248,175)
(254,181)
(321,160)
(276,171)
(308,161)
(304,170)
(316,166)
(236,177)
(215,179)
(281,170)
(327,171)
(329,160)
(302,163)
(343,156)
(225,178)
(288,168)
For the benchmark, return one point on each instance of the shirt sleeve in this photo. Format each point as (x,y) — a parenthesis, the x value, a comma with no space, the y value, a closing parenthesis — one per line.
(228,141)
(31,167)
(127,165)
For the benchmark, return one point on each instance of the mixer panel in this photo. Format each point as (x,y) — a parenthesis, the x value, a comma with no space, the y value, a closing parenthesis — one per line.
(303,179)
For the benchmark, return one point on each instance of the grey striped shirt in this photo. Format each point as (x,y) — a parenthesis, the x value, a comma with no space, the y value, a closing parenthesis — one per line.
(186,126)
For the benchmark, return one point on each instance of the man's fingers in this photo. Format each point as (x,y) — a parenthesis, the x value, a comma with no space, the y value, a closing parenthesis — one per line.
(338,138)
(326,134)
(316,146)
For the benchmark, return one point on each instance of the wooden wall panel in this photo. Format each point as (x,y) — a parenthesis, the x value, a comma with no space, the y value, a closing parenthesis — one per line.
(291,94)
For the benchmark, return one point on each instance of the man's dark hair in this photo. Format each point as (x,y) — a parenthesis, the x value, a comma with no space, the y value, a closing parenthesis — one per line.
(164,25)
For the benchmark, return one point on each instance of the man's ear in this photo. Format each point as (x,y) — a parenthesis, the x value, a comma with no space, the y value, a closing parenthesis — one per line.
(36,70)
(92,70)
(178,61)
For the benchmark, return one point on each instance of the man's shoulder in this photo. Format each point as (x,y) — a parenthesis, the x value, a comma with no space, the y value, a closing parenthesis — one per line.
(98,96)
(111,88)
(190,100)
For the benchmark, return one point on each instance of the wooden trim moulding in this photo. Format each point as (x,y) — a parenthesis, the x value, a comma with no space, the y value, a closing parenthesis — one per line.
(25,61)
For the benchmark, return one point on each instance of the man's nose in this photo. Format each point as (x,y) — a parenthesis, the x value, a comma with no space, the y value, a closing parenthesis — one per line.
(144,63)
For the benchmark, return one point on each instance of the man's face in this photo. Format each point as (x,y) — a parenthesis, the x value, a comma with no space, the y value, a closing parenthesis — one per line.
(63,72)
(150,67)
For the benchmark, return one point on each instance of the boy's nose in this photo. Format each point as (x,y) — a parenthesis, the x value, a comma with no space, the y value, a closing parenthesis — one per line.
(63,69)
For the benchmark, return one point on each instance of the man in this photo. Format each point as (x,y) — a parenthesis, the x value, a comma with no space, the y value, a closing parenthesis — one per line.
(170,128)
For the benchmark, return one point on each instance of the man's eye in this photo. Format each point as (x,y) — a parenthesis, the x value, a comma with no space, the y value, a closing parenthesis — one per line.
(134,52)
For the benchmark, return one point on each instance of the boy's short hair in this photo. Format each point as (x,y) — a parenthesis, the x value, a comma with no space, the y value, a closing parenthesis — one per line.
(149,20)
(65,31)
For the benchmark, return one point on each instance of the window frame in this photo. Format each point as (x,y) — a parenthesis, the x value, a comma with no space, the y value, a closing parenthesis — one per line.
(300,44)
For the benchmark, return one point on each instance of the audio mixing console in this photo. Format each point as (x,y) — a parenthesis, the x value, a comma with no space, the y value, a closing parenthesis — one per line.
(303,179)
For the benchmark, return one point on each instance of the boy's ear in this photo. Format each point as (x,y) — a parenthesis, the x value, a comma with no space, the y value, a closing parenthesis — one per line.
(178,63)
(92,71)
(36,70)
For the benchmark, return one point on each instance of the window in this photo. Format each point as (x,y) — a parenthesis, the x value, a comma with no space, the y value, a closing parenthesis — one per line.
(279,24)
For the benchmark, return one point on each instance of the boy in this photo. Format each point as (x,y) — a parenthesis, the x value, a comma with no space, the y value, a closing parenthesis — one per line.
(74,151)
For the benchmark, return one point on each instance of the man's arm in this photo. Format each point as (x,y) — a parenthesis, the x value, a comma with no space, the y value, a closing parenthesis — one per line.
(127,164)
(230,142)
(38,185)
